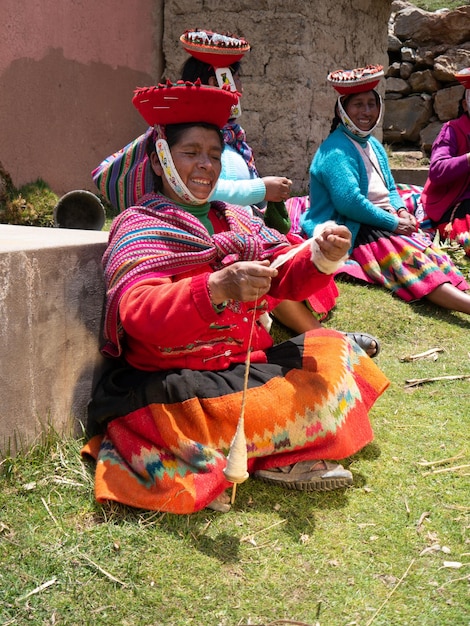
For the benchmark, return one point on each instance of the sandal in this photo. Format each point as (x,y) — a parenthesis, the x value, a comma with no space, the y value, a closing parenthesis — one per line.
(368,343)
(308,476)
(221,504)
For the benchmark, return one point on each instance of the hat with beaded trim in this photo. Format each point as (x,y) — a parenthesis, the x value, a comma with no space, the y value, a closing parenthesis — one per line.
(463,76)
(350,82)
(216,49)
(184,102)
(219,50)
(361,79)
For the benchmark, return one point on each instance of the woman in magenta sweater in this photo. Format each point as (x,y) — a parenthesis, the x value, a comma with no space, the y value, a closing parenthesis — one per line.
(446,194)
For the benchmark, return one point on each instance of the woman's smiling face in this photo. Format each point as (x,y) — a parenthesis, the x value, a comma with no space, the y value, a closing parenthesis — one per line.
(363,110)
(197,158)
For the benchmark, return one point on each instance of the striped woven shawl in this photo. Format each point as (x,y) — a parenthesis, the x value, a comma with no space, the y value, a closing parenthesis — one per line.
(157,238)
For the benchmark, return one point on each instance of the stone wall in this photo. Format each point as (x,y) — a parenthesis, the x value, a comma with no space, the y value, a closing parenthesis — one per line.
(425,50)
(66,83)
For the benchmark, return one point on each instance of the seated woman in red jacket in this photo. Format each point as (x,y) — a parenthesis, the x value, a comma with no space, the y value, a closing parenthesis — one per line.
(187,284)
(126,175)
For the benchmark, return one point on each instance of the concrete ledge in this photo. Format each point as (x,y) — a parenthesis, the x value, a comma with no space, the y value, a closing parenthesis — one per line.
(51,301)
(411,175)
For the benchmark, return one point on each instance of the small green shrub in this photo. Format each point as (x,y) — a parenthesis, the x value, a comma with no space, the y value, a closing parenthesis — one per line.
(31,205)
(434,5)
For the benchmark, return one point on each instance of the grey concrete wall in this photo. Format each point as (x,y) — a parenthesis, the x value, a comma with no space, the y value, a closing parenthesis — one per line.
(410,176)
(51,298)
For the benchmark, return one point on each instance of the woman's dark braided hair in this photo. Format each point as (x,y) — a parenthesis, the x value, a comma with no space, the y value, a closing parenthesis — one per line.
(194,68)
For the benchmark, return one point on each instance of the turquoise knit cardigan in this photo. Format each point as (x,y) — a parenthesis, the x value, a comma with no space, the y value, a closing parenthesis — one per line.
(339,186)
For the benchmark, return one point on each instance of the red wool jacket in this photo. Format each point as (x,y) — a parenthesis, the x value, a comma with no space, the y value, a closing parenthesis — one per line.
(171,323)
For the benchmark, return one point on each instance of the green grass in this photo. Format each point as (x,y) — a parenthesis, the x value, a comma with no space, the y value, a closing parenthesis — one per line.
(433,5)
(374,554)
(30,205)
(405,159)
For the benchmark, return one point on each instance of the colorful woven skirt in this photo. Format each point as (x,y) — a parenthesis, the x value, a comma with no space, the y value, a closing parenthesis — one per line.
(167,434)
(411,267)
(411,198)
(296,207)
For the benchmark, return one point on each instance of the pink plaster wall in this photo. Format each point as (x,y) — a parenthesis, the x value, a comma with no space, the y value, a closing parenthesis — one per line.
(67,73)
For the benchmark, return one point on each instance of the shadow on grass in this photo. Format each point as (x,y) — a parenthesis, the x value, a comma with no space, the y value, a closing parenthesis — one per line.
(425,309)
(371,452)
(295,512)
(224,547)
(254,503)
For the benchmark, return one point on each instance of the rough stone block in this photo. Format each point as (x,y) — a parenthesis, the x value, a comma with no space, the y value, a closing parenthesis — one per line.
(51,302)
(410,175)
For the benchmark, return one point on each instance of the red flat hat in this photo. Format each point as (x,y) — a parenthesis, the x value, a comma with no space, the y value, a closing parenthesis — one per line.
(218,50)
(356,81)
(182,102)
(463,76)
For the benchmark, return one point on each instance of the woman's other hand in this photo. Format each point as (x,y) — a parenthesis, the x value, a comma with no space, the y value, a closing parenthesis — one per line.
(334,242)
(277,188)
(407,224)
(243,281)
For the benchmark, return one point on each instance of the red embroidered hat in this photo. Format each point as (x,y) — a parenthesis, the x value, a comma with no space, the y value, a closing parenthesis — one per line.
(463,76)
(356,81)
(216,49)
(182,102)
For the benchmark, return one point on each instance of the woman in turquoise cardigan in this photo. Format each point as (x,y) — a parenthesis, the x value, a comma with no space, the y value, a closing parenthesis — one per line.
(351,183)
